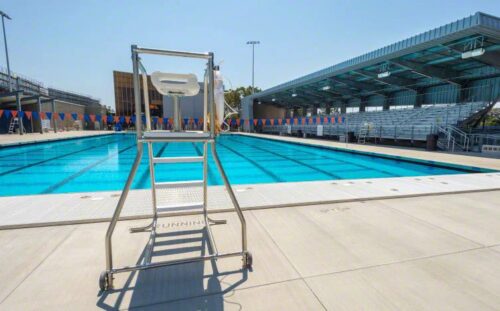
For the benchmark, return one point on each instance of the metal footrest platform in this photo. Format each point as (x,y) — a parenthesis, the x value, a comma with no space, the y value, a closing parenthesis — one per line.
(178,184)
(176,207)
(178,160)
(176,136)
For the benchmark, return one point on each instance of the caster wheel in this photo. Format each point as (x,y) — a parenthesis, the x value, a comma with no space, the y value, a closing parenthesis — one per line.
(248,260)
(104,281)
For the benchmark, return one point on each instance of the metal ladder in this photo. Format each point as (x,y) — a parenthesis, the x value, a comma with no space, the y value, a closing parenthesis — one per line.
(362,134)
(12,125)
(150,137)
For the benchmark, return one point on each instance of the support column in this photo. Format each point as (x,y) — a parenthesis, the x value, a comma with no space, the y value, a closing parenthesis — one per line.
(39,106)
(18,104)
(295,112)
(343,107)
(419,98)
(464,93)
(387,101)
(315,110)
(53,103)
(362,104)
(328,109)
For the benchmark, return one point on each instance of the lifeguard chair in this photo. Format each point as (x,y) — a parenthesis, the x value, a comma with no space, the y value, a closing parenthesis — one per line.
(176,86)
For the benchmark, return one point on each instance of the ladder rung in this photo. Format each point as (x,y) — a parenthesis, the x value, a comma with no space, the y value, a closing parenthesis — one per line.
(175,207)
(178,184)
(178,160)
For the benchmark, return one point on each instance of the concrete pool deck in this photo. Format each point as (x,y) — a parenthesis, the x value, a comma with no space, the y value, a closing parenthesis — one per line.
(16,139)
(470,159)
(413,243)
(74,208)
(425,253)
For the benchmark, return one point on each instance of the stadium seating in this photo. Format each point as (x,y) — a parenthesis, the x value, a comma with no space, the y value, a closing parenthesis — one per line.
(398,124)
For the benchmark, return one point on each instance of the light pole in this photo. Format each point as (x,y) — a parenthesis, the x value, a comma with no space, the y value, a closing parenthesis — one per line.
(4,16)
(253,43)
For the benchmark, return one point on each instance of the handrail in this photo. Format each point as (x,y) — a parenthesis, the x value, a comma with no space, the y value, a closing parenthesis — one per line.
(462,135)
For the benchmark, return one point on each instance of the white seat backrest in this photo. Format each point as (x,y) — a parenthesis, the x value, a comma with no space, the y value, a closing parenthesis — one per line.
(175,83)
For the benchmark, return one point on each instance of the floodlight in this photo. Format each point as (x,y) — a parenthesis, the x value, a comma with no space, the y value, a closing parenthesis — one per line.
(384,74)
(473,53)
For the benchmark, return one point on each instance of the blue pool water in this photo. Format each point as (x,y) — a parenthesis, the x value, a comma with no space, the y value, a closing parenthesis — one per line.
(103,163)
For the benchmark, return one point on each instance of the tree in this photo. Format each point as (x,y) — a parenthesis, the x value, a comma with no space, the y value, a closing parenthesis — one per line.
(233,97)
(493,117)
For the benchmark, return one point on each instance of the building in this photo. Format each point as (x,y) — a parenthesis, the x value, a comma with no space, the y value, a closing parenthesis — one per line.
(21,93)
(455,63)
(124,95)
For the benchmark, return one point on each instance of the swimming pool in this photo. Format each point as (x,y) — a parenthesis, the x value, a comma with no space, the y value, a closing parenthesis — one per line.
(103,163)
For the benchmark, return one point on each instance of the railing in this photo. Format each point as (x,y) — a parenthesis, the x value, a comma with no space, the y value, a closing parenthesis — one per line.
(448,143)
(401,132)
(454,137)
(228,113)
(484,139)
(19,83)
(461,138)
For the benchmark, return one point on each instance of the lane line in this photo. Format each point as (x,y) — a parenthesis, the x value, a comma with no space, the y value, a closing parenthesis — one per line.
(66,180)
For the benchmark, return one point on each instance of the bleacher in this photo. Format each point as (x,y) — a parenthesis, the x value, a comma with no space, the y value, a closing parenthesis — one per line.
(398,124)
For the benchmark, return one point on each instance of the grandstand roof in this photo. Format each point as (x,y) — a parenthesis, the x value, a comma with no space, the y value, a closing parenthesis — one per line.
(456,53)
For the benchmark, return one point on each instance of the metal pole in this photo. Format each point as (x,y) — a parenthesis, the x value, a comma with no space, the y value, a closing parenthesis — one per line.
(137,93)
(253,43)
(39,103)
(54,115)
(18,103)
(6,50)
(146,100)
(211,98)
(137,161)
(253,68)
(177,114)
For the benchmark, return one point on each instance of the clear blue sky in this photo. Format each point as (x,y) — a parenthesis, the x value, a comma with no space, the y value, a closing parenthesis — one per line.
(75,45)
